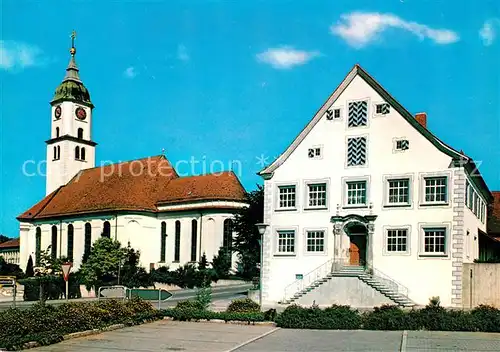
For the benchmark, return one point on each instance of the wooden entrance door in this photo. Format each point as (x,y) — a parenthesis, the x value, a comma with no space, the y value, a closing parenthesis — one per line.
(353,254)
(357,250)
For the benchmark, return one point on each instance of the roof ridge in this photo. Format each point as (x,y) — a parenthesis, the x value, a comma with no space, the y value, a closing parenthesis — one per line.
(209,174)
(161,156)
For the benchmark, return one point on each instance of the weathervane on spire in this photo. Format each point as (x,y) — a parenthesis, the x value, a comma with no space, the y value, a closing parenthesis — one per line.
(72,51)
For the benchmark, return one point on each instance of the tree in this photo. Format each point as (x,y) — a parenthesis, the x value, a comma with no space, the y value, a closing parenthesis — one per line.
(132,275)
(4,239)
(203,264)
(9,269)
(246,241)
(29,268)
(102,263)
(221,263)
(46,268)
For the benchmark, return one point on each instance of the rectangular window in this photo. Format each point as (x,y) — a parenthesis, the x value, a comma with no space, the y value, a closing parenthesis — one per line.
(435,241)
(402,144)
(356,193)
(286,242)
(333,114)
(471,192)
(358,112)
(315,241)
(397,240)
(336,113)
(286,197)
(436,190)
(314,153)
(399,191)
(316,195)
(382,109)
(356,151)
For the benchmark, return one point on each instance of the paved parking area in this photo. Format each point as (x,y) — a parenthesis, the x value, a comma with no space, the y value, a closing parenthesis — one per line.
(213,337)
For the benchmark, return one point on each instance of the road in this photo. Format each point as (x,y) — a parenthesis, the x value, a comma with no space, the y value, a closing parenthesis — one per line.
(221,293)
(219,337)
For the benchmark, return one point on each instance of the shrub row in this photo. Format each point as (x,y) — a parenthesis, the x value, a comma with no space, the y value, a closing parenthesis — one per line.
(482,318)
(48,324)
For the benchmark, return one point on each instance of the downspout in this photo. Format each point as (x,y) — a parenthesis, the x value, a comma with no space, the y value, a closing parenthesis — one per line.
(201,231)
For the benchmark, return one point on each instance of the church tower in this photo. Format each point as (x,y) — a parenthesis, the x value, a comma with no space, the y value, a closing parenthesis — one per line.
(70,147)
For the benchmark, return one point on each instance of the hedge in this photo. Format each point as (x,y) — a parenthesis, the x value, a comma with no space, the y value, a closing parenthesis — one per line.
(47,324)
(54,288)
(483,318)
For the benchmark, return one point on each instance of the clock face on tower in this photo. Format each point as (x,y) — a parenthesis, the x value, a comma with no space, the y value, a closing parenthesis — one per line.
(80,113)
(58,111)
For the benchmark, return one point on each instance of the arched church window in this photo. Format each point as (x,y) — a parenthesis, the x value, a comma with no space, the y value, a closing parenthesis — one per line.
(177,249)
(227,241)
(71,237)
(53,244)
(77,153)
(87,241)
(82,154)
(55,153)
(194,239)
(57,132)
(80,133)
(58,152)
(106,231)
(163,241)
(38,245)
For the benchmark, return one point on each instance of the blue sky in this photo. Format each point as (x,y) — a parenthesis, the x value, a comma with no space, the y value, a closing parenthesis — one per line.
(235,80)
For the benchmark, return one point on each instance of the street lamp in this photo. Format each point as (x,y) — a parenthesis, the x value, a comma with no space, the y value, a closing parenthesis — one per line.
(262,230)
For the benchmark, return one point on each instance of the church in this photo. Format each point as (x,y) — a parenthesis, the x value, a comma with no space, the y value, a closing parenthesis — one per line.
(144,203)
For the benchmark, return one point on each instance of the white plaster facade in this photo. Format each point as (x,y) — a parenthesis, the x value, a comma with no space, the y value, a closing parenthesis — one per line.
(142,232)
(424,274)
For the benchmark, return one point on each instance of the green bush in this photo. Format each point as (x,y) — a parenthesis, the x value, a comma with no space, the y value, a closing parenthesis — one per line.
(487,318)
(194,315)
(389,317)
(244,305)
(45,323)
(334,317)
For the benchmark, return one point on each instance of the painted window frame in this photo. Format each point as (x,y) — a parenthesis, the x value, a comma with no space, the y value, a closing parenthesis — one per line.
(395,140)
(344,185)
(408,230)
(276,232)
(277,187)
(368,113)
(422,182)
(447,240)
(306,231)
(315,149)
(333,109)
(374,107)
(367,144)
(312,182)
(387,179)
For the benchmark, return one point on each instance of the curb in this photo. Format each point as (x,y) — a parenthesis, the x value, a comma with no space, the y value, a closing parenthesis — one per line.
(236,322)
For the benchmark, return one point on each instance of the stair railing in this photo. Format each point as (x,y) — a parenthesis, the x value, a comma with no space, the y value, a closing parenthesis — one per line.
(312,277)
(387,280)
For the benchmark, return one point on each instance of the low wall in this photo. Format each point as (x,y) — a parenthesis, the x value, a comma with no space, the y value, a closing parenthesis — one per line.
(344,291)
(481,285)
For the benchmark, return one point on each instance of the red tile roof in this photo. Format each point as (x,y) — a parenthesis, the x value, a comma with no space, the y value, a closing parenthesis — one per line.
(13,243)
(137,185)
(494,215)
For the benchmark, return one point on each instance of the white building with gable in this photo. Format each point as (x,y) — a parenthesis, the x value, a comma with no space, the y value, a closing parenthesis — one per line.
(367,207)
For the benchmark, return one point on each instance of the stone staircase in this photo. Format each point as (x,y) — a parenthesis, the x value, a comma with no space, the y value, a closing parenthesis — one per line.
(385,286)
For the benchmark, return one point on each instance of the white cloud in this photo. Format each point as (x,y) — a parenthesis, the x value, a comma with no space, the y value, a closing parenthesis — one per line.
(286,57)
(15,56)
(359,29)
(182,53)
(130,72)
(488,32)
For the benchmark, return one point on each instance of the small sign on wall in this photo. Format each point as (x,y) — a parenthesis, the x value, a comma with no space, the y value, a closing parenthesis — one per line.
(299,276)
